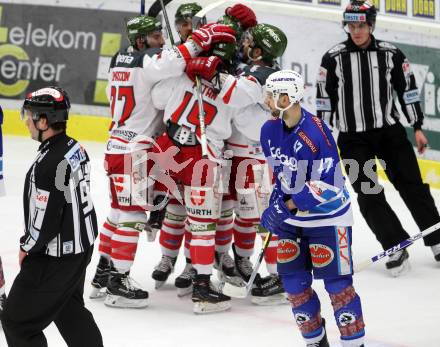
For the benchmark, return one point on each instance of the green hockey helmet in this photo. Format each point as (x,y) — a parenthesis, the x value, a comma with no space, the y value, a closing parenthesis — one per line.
(270,39)
(186,11)
(231,22)
(141,26)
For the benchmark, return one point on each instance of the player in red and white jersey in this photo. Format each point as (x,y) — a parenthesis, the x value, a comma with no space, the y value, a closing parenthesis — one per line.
(201,178)
(172,220)
(250,180)
(135,123)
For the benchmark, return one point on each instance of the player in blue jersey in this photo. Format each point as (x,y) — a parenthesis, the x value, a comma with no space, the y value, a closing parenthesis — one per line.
(310,212)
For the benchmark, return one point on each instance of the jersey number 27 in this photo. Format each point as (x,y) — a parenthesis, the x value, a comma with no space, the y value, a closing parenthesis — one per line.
(125,94)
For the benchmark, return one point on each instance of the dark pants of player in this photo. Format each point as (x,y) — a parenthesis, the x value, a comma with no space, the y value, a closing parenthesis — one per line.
(391,145)
(47,290)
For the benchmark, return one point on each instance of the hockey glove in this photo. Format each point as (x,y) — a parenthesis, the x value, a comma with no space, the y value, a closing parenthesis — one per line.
(205,67)
(209,34)
(275,215)
(243,14)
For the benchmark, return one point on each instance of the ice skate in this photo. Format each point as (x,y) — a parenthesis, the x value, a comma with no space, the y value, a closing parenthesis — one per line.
(206,298)
(121,292)
(243,265)
(436,250)
(163,270)
(398,263)
(99,282)
(269,291)
(184,281)
(226,272)
(320,341)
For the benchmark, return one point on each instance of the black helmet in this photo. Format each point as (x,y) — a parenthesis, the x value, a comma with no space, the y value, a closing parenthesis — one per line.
(51,102)
(360,11)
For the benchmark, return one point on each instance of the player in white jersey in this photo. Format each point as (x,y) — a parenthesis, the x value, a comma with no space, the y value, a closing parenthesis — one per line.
(172,222)
(135,124)
(201,176)
(250,183)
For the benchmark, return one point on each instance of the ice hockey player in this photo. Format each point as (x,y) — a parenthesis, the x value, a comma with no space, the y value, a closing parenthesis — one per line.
(262,46)
(200,177)
(183,19)
(310,211)
(134,126)
(172,223)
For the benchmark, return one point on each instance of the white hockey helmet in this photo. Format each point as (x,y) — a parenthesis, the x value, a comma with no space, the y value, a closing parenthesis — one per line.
(285,82)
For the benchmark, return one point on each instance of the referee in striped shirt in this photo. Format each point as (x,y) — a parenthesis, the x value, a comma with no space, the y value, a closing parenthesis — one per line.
(60,229)
(355,86)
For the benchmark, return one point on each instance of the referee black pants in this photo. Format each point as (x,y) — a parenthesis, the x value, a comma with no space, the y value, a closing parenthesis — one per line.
(47,290)
(392,146)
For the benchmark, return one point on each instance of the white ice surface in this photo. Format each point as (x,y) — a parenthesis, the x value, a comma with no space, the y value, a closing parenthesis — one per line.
(399,312)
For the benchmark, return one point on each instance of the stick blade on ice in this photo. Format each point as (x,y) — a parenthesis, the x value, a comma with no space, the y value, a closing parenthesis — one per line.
(234,291)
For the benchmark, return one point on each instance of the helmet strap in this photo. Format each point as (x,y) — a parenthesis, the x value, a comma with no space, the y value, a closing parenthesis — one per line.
(282,109)
(40,131)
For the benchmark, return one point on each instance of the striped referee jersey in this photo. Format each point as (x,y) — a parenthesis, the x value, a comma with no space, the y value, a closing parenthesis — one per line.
(59,216)
(355,87)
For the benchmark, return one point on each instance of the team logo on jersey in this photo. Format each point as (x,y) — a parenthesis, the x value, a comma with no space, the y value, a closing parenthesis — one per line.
(287,250)
(118,183)
(321,255)
(197,197)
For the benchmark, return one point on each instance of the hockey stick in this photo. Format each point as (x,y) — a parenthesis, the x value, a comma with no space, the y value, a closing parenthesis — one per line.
(156,7)
(408,242)
(203,140)
(167,22)
(242,292)
(196,21)
(198,18)
(142,7)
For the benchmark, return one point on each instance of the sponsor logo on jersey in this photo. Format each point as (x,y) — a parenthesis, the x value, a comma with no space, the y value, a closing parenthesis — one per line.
(198,211)
(321,255)
(124,59)
(289,162)
(411,96)
(75,156)
(197,197)
(287,250)
(307,141)
(318,123)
